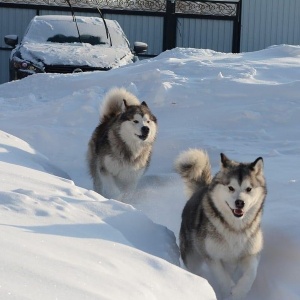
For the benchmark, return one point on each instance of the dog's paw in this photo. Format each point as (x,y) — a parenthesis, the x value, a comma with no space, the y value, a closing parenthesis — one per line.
(231,297)
(236,294)
(226,290)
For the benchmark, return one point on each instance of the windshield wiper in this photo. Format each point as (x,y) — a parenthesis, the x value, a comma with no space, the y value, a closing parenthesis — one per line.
(74,20)
(108,36)
(106,28)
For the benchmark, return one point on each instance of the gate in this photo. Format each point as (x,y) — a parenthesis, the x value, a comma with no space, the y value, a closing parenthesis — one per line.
(205,24)
(162,24)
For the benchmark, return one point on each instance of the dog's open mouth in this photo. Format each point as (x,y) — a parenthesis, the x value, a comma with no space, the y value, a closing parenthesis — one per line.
(237,212)
(143,137)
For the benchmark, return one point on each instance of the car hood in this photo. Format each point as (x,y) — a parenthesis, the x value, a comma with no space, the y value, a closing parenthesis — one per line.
(77,54)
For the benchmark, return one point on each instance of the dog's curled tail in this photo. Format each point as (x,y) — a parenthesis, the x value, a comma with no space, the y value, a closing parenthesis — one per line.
(114,103)
(194,167)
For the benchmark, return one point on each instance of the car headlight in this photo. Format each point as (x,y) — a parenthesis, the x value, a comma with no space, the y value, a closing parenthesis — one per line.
(25,65)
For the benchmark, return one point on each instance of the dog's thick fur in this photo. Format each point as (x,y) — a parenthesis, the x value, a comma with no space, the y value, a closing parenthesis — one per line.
(120,148)
(221,222)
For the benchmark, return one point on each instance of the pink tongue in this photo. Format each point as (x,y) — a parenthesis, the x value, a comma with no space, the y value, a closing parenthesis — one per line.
(238,211)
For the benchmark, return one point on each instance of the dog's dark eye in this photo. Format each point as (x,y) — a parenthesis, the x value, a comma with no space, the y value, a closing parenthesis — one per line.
(231,189)
(248,189)
(136,121)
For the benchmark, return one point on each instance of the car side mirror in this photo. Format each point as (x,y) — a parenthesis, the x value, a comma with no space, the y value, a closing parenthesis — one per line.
(11,40)
(140,47)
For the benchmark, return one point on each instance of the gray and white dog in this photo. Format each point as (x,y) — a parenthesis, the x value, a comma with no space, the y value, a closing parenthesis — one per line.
(221,222)
(120,148)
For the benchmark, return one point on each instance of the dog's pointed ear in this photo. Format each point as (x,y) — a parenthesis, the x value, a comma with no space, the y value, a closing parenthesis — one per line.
(257,166)
(225,161)
(124,105)
(144,104)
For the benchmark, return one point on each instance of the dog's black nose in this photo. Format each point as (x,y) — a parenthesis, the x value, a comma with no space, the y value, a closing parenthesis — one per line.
(145,130)
(239,203)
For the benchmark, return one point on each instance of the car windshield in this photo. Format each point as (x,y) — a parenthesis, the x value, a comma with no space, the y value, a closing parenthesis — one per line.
(63,30)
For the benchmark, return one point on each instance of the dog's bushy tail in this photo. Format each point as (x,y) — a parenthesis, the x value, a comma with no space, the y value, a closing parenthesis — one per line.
(194,167)
(113,103)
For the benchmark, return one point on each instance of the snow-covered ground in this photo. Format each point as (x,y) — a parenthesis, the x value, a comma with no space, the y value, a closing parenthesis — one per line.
(60,240)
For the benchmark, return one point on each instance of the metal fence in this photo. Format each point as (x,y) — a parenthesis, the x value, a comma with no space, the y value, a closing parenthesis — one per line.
(270,22)
(162,24)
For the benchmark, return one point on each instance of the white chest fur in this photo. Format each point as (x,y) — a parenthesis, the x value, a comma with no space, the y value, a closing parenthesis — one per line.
(125,172)
(234,245)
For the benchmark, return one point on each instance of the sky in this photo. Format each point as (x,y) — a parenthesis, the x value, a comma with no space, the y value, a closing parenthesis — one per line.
(61,240)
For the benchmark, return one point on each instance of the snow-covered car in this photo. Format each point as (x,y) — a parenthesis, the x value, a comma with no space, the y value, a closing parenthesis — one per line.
(63,44)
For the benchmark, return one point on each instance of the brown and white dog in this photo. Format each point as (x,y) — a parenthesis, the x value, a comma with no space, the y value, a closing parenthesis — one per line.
(120,148)
(221,222)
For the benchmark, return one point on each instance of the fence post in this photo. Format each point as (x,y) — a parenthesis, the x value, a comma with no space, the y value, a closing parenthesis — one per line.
(170,22)
(236,40)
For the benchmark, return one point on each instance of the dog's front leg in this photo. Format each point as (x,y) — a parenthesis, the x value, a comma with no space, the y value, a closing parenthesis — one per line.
(249,269)
(223,278)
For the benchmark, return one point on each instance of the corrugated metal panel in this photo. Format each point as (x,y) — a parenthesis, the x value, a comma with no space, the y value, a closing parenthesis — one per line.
(56,12)
(14,21)
(269,22)
(4,73)
(147,29)
(205,34)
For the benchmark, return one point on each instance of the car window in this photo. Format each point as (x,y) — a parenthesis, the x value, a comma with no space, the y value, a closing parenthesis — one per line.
(92,31)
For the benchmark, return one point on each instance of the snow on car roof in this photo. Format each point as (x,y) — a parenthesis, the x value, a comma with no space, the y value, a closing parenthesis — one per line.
(43,27)
(81,19)
(54,40)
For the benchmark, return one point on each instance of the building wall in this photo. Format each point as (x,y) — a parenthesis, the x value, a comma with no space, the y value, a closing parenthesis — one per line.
(269,22)
(4,75)
(14,21)
(147,29)
(205,34)
(8,25)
